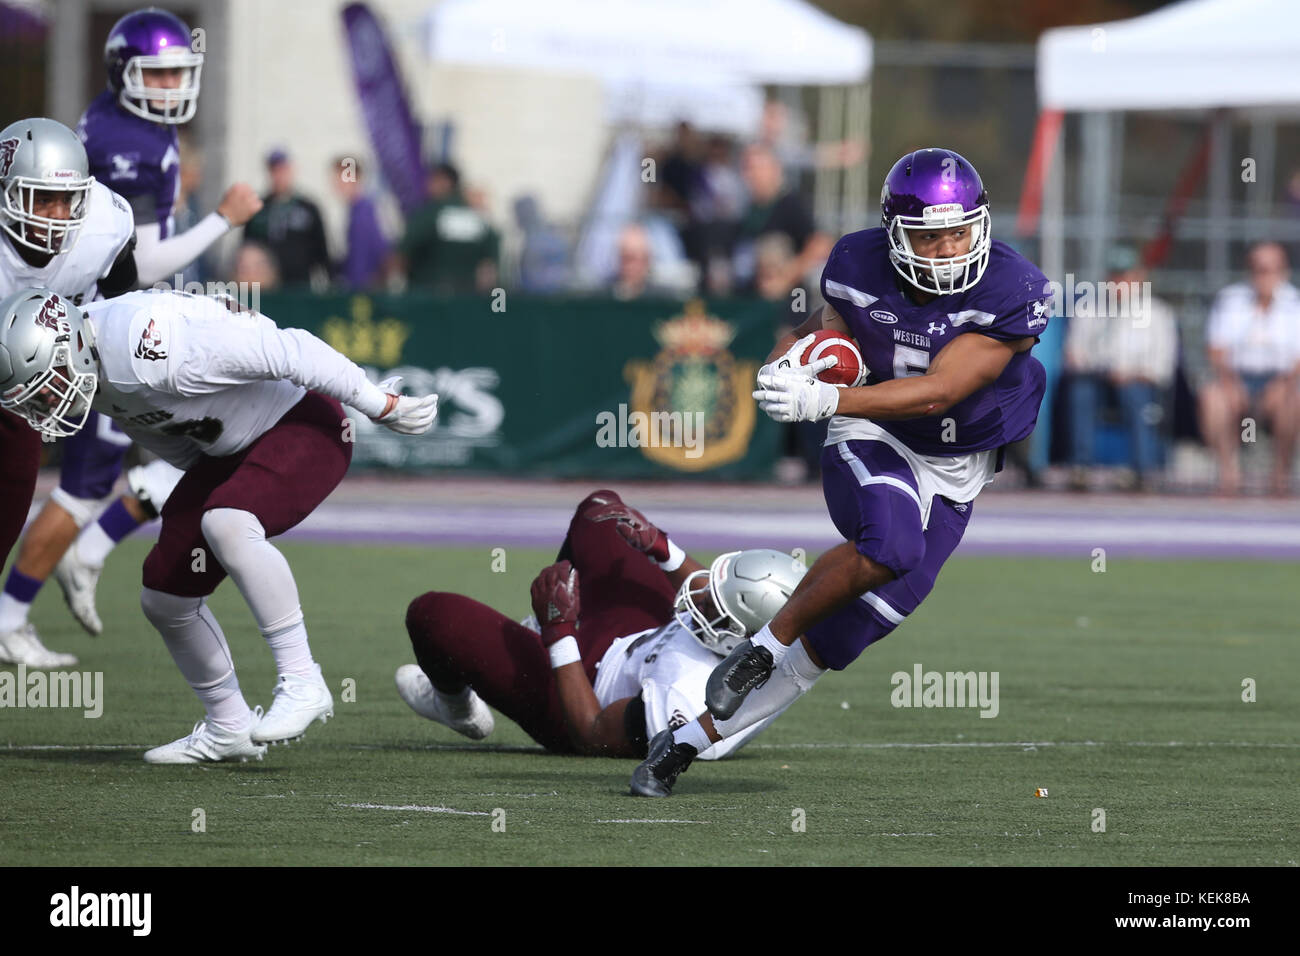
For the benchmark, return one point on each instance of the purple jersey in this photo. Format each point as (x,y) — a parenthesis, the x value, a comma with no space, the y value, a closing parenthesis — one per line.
(137,159)
(898,338)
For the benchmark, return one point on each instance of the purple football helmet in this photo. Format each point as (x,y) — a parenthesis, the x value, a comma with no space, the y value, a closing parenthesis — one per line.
(935,189)
(153,39)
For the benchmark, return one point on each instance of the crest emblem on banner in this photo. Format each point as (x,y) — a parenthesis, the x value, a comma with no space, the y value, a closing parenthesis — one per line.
(695,375)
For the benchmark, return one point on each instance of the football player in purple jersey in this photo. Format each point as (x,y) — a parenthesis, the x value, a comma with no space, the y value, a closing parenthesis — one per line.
(130,135)
(129,132)
(945,318)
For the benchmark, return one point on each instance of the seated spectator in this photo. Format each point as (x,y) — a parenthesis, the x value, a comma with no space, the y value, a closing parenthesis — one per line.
(449,247)
(255,266)
(636,276)
(366,251)
(1126,341)
(290,225)
(1253,341)
(773,208)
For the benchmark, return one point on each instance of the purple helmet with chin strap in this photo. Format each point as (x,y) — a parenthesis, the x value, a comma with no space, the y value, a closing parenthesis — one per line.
(932,190)
(153,39)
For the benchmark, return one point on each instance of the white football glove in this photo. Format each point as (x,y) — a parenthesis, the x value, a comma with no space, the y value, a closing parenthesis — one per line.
(408,416)
(793,357)
(789,396)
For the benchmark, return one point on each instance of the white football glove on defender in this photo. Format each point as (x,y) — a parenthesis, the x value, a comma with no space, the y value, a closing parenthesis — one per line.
(787,395)
(792,360)
(407,416)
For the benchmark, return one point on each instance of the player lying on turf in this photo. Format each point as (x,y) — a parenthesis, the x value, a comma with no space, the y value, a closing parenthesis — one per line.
(944,319)
(252,415)
(625,643)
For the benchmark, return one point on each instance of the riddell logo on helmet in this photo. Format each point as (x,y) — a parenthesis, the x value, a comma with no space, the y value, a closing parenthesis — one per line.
(943,209)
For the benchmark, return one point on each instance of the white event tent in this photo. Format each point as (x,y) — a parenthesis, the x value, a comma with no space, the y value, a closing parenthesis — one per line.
(1196,55)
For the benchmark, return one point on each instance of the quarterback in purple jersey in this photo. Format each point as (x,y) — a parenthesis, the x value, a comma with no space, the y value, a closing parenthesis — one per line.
(945,318)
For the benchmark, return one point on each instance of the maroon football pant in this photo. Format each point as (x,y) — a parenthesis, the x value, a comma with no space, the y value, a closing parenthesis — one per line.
(20,459)
(281,478)
(459,641)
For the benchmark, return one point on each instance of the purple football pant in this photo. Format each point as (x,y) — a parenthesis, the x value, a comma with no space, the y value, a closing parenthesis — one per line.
(92,458)
(872,497)
(460,641)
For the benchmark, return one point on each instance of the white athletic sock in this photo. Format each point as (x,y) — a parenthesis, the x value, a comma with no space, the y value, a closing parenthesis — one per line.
(289,647)
(790,681)
(694,735)
(764,638)
(197,645)
(13,612)
(263,577)
(94,545)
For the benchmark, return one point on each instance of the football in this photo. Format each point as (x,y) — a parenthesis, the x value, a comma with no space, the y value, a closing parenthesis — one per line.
(849,370)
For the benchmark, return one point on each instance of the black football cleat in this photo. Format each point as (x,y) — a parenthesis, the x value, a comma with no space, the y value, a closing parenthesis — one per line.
(746,668)
(655,776)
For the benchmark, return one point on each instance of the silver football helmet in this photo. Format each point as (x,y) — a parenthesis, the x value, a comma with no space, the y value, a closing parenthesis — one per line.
(42,156)
(49,368)
(737,595)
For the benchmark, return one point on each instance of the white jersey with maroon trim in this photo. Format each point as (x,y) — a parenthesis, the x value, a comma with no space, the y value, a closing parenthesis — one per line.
(188,375)
(75,274)
(667,668)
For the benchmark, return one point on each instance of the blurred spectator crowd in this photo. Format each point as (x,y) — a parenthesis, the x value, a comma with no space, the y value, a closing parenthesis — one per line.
(724,217)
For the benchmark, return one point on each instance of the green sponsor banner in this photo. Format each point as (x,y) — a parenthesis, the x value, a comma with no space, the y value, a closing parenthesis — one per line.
(560,387)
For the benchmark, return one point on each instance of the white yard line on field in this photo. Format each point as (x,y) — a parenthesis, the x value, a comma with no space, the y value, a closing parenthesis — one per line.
(417,809)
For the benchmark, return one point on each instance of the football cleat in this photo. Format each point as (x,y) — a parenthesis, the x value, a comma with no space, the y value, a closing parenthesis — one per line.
(464,713)
(296,702)
(210,745)
(655,775)
(78,581)
(22,646)
(747,668)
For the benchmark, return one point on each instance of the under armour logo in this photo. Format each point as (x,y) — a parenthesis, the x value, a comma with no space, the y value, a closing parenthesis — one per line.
(961,508)
(937,328)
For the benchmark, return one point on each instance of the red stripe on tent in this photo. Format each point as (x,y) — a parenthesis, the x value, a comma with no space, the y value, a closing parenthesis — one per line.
(1189,181)
(1047,134)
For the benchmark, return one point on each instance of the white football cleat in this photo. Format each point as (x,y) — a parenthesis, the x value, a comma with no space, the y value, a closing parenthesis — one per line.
(22,646)
(464,713)
(78,581)
(296,702)
(209,745)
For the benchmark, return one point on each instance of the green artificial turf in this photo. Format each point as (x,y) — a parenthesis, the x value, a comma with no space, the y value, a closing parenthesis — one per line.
(1118,691)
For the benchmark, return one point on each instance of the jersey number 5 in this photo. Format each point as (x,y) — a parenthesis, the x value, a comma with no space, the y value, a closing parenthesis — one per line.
(909,361)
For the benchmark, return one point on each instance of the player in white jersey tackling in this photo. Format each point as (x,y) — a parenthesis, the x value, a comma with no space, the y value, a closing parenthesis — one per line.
(623,647)
(252,414)
(67,232)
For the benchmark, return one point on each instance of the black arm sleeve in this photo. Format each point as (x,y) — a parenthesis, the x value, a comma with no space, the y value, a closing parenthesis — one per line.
(634,725)
(122,275)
